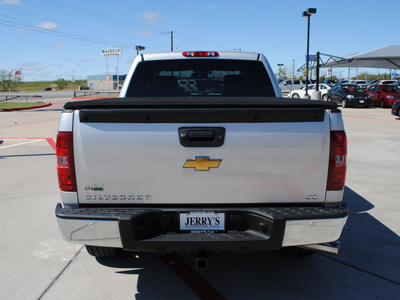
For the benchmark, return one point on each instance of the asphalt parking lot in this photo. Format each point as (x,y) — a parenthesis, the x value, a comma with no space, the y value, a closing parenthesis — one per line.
(36,263)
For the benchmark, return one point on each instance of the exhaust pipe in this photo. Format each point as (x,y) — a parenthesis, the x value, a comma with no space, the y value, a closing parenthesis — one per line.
(330,247)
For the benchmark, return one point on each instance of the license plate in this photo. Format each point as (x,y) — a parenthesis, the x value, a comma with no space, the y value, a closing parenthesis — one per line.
(202,221)
(361,101)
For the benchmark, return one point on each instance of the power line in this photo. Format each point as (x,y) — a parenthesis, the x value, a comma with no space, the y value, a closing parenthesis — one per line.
(63,34)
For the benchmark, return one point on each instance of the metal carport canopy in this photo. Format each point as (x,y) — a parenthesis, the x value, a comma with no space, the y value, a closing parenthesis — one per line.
(386,58)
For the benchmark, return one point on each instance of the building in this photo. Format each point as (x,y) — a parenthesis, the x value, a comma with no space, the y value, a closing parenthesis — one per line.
(100,82)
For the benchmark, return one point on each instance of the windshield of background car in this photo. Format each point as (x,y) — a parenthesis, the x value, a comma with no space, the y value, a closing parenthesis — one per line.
(390,89)
(200,77)
(352,88)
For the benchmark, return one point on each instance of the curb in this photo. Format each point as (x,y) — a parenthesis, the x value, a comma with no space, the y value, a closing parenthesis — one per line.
(23,108)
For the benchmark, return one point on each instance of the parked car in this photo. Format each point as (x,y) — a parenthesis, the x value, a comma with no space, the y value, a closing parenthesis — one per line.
(397,82)
(372,82)
(349,95)
(385,82)
(396,109)
(384,94)
(329,82)
(289,85)
(359,82)
(311,88)
(343,81)
(47,89)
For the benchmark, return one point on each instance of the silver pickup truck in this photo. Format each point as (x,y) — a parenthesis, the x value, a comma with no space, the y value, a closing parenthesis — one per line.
(226,165)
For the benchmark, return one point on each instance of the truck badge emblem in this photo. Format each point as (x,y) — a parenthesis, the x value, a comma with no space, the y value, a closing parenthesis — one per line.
(202,163)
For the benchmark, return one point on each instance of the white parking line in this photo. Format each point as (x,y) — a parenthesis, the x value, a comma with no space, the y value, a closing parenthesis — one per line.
(30,142)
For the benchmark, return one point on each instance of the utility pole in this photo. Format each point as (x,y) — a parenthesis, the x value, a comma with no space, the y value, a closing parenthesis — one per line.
(172,38)
(294,62)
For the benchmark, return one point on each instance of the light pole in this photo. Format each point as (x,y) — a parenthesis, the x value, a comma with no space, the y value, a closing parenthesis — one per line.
(172,38)
(139,48)
(308,13)
(279,68)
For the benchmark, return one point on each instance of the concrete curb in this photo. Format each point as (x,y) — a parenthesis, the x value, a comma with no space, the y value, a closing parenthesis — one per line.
(23,108)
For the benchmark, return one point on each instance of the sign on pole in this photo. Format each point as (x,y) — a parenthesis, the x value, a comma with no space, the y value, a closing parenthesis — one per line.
(108,52)
(312,57)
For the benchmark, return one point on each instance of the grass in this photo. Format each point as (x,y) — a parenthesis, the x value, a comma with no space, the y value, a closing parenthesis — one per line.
(40,85)
(9,105)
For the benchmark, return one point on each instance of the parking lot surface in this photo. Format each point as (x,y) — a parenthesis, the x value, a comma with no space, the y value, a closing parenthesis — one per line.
(36,263)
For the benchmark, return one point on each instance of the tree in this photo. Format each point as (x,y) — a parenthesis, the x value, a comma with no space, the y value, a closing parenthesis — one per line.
(282,73)
(6,80)
(61,83)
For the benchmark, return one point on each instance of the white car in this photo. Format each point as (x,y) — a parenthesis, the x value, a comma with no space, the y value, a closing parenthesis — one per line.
(311,88)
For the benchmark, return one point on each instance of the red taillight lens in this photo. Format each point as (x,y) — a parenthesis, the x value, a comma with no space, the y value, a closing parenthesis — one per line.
(65,162)
(200,54)
(337,161)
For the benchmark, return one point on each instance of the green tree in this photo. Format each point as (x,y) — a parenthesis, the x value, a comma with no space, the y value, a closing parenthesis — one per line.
(6,80)
(282,73)
(61,83)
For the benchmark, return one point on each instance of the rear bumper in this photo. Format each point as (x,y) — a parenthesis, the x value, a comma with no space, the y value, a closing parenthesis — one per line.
(157,230)
(358,102)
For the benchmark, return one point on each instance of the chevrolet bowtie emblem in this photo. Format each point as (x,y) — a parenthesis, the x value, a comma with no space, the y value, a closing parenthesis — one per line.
(202,163)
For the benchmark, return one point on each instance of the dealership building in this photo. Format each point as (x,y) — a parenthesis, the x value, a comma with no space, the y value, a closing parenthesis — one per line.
(104,82)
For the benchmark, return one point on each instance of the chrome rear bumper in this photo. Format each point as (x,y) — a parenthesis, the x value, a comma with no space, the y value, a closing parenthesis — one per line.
(266,228)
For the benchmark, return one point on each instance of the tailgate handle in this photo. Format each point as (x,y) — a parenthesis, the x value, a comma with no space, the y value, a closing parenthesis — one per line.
(201,136)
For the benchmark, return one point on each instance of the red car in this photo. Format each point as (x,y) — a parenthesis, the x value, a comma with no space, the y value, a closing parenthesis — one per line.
(384,94)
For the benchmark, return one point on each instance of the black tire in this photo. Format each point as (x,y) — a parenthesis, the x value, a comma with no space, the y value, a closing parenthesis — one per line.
(382,103)
(104,252)
(344,103)
(295,95)
(329,98)
(296,252)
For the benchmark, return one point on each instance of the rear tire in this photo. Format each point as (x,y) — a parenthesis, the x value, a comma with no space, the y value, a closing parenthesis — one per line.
(296,252)
(383,105)
(104,252)
(295,95)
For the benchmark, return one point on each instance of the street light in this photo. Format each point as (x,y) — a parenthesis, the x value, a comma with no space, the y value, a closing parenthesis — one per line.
(279,68)
(172,38)
(308,13)
(139,48)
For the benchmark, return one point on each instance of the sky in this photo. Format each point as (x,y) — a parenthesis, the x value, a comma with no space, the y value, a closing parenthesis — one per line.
(51,39)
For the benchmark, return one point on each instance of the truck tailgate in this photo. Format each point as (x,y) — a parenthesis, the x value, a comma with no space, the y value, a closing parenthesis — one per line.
(134,157)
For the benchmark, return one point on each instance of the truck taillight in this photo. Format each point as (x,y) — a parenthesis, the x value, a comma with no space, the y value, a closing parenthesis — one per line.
(337,161)
(65,162)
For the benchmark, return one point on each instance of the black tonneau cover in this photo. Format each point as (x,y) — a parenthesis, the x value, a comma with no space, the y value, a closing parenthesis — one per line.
(200,102)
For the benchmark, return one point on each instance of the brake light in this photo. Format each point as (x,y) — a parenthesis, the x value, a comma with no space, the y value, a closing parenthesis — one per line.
(200,54)
(337,161)
(65,162)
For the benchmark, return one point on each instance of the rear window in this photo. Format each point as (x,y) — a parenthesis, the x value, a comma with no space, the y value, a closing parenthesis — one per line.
(390,89)
(200,78)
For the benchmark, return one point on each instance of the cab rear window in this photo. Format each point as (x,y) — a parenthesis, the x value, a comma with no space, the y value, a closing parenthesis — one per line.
(200,78)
